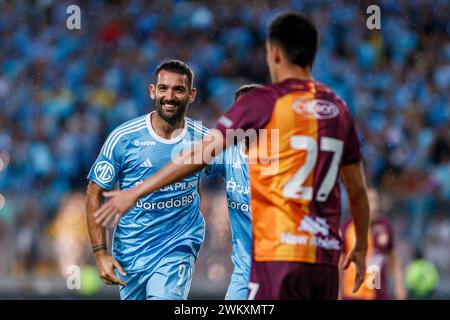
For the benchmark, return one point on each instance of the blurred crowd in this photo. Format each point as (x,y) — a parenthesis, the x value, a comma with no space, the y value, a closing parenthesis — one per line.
(63,91)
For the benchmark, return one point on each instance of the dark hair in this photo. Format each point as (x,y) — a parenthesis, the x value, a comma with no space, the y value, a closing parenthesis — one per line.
(245,88)
(176,66)
(297,36)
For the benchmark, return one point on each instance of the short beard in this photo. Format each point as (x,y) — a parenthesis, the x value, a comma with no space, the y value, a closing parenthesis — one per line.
(173,118)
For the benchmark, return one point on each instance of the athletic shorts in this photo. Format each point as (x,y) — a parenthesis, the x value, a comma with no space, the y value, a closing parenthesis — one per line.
(280,280)
(169,280)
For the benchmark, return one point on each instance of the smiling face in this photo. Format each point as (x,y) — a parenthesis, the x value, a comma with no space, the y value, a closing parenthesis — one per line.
(172,94)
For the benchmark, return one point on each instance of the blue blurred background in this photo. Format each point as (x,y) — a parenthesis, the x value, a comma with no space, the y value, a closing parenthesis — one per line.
(63,91)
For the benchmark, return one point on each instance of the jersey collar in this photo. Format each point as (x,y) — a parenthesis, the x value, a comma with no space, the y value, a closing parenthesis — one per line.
(161,139)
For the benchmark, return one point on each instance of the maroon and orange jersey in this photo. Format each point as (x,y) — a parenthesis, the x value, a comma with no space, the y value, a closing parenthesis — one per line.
(380,245)
(307,134)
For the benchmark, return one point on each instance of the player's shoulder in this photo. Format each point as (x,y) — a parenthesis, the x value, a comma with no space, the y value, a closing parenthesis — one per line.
(132,123)
(323,91)
(128,129)
(265,92)
(196,126)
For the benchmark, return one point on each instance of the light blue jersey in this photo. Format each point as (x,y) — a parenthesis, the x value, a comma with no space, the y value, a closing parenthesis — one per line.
(232,165)
(164,228)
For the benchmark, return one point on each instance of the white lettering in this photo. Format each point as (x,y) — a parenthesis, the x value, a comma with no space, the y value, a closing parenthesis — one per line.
(374,20)
(325,243)
(74,20)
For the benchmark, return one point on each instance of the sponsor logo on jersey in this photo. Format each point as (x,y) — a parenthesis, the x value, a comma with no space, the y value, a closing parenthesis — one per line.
(139,143)
(232,186)
(316,108)
(189,142)
(180,185)
(239,206)
(318,231)
(315,226)
(146,164)
(324,243)
(168,204)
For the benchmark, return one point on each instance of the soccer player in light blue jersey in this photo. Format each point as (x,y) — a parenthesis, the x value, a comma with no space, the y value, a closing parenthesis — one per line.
(156,242)
(232,166)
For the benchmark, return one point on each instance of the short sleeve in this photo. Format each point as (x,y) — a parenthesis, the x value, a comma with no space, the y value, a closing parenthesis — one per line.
(252,111)
(352,146)
(106,168)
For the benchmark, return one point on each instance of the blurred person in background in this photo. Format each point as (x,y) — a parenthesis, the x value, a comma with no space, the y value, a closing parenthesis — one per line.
(382,260)
(27,238)
(69,232)
(232,166)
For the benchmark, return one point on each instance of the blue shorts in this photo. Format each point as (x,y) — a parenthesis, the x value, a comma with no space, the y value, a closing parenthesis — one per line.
(169,280)
(238,287)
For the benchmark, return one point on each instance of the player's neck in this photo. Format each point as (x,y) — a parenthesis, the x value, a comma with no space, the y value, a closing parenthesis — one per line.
(289,72)
(165,129)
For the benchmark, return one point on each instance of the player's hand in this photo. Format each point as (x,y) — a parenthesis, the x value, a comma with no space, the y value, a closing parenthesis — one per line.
(118,204)
(105,267)
(358,257)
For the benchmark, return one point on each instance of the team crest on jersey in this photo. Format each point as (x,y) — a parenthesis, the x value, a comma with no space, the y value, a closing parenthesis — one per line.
(316,108)
(104,171)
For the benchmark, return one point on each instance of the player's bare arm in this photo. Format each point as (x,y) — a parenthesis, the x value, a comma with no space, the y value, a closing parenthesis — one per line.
(97,234)
(179,168)
(354,180)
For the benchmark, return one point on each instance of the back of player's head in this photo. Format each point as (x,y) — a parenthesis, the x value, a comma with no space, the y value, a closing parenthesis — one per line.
(244,89)
(297,36)
(176,66)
